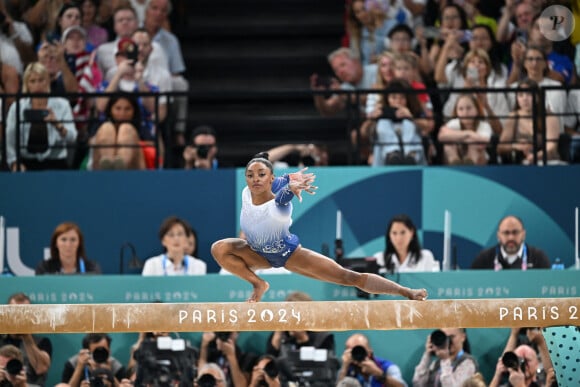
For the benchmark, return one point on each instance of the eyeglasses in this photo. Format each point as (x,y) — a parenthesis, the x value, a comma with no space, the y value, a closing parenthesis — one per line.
(535,59)
(507,233)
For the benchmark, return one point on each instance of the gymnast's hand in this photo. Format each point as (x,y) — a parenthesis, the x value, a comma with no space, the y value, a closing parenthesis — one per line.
(417,294)
(300,181)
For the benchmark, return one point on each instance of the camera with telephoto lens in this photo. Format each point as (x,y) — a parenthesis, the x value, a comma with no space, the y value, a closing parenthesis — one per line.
(513,361)
(358,353)
(206,380)
(13,367)
(439,339)
(100,355)
(270,369)
(203,151)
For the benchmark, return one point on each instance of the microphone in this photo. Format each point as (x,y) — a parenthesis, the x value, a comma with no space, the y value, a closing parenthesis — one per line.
(134,262)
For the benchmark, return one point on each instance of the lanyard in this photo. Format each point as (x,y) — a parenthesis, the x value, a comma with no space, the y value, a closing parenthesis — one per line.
(164,264)
(497,265)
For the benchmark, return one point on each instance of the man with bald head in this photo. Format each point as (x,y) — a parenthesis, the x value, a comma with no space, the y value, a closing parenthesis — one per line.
(511,251)
(359,362)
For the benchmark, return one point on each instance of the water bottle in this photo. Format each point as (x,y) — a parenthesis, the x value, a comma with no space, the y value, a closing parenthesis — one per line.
(558,265)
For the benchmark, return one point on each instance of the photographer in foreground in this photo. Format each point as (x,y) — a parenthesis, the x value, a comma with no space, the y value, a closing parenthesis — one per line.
(210,375)
(93,361)
(220,348)
(359,362)
(12,372)
(446,361)
(519,364)
(265,373)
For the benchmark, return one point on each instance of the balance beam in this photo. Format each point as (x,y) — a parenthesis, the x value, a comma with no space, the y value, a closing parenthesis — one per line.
(287,316)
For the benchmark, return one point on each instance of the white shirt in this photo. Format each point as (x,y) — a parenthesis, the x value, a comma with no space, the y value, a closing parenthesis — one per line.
(484,128)
(426,262)
(161,265)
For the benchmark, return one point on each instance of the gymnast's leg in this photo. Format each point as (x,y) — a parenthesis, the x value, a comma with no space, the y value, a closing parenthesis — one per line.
(314,265)
(236,256)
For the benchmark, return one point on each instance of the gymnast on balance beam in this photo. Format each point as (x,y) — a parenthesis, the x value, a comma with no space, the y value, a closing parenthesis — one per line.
(265,219)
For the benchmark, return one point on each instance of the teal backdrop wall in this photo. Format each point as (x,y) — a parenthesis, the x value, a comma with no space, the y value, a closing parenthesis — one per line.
(117,207)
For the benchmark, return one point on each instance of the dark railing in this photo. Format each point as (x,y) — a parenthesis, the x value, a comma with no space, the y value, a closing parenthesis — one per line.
(350,119)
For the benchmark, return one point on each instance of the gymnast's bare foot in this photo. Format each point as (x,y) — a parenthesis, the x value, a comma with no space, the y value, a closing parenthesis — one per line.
(259,290)
(417,294)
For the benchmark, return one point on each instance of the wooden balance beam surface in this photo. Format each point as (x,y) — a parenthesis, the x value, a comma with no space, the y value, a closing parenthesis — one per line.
(286,316)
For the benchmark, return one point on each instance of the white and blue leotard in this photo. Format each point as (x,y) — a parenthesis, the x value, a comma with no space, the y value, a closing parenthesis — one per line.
(267,226)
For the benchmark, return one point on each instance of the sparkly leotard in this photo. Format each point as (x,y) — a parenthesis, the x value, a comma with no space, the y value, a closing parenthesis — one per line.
(267,226)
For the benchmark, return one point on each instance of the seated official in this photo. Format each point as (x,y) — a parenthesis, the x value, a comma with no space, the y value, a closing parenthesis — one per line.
(511,252)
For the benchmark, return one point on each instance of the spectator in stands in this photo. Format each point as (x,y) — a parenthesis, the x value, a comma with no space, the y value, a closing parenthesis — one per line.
(385,73)
(42,16)
(96,35)
(94,359)
(16,41)
(9,353)
(475,71)
(400,122)
(360,362)
(511,251)
(82,64)
(368,26)
(129,78)
(191,245)
(353,75)
(173,234)
(70,14)
(202,153)
(62,79)
(452,32)
(221,348)
(403,250)
(67,253)
(561,67)
(483,37)
(46,126)
(466,136)
(215,374)
(533,63)
(117,143)
(156,13)
(36,351)
(300,155)
(516,143)
(523,12)
(447,360)
(406,66)
(400,39)
(9,84)
(280,343)
(125,23)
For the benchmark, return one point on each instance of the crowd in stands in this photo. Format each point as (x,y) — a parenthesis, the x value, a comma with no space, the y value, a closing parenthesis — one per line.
(458,58)
(79,50)
(469,54)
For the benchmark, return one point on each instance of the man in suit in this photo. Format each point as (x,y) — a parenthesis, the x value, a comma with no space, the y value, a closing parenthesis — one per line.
(511,252)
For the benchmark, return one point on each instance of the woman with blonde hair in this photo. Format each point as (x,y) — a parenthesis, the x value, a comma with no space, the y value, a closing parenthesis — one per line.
(46,125)
(67,253)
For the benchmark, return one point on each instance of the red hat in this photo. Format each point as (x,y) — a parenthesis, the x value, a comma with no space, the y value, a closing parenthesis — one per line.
(126,47)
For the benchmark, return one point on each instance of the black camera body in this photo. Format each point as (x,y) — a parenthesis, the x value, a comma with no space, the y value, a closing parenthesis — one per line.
(513,361)
(206,380)
(162,367)
(358,353)
(203,151)
(439,339)
(100,355)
